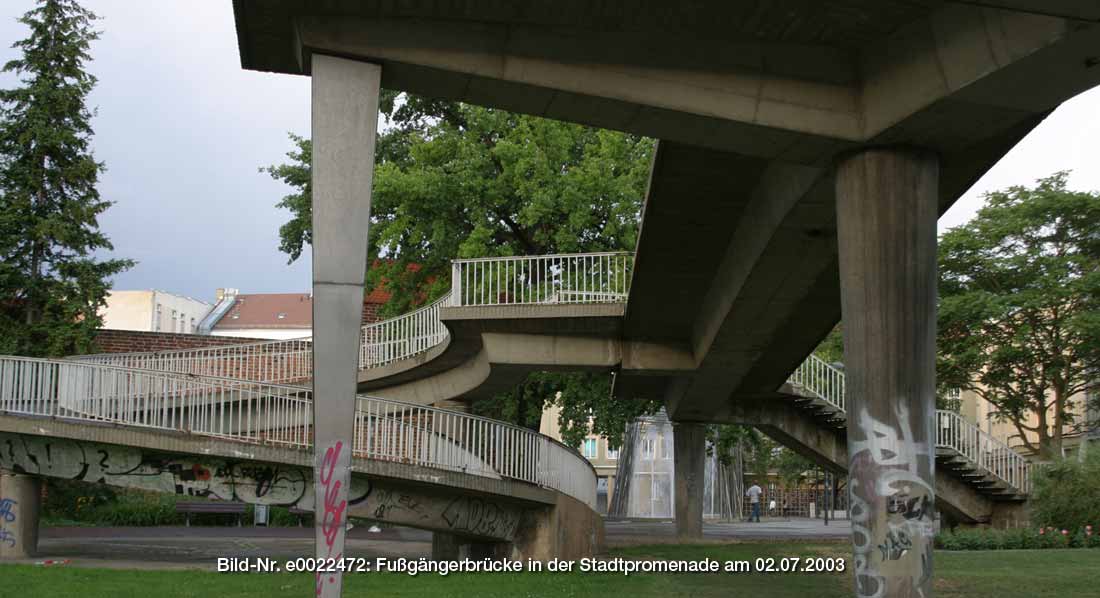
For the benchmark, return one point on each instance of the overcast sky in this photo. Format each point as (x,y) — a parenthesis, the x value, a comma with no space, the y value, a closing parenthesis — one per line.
(183,130)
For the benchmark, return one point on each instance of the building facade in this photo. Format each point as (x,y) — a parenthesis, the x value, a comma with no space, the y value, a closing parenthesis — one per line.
(153,311)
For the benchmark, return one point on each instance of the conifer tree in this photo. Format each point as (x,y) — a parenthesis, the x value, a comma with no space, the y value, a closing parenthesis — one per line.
(51,283)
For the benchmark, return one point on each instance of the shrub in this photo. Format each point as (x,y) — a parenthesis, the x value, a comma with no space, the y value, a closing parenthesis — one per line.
(1066,494)
(1016,539)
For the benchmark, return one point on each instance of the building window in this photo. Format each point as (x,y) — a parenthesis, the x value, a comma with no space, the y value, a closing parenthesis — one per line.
(173,328)
(612,454)
(156,319)
(589,451)
(647,448)
(192,329)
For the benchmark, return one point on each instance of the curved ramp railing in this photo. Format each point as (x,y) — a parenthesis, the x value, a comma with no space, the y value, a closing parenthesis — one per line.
(566,278)
(263,413)
(952,431)
(528,280)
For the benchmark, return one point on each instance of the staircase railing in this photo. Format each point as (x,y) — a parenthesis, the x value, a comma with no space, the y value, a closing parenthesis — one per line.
(822,379)
(980,448)
(263,413)
(952,431)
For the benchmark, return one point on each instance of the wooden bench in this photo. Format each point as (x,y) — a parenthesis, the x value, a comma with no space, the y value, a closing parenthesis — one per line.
(227,508)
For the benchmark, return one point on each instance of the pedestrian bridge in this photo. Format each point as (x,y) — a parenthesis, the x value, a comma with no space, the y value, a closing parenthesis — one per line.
(503,318)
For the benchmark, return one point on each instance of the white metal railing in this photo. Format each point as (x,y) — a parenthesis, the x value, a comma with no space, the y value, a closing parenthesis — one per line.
(980,448)
(822,379)
(572,278)
(526,280)
(403,336)
(279,362)
(263,413)
(952,431)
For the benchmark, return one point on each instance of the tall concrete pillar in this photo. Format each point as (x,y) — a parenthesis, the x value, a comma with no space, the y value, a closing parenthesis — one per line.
(886,221)
(689,456)
(345,121)
(20,505)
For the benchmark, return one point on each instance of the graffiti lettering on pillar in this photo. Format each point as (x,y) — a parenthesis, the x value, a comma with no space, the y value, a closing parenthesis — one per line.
(482,517)
(7,514)
(332,515)
(892,503)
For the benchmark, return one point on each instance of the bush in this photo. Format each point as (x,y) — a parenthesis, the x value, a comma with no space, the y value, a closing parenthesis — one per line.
(1066,494)
(1016,539)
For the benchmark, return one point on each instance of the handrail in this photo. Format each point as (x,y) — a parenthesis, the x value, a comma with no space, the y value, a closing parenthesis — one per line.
(404,336)
(952,431)
(601,277)
(529,280)
(263,413)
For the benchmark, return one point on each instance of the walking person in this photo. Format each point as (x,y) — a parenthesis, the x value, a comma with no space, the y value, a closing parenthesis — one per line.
(754,493)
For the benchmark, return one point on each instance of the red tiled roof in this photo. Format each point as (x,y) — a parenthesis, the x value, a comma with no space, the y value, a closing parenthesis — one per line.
(269,310)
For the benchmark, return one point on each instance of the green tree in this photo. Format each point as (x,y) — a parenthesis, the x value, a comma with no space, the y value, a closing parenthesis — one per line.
(459,181)
(51,282)
(1019,314)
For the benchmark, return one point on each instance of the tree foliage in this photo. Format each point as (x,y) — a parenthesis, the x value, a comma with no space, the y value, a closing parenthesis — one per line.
(51,282)
(459,181)
(1019,314)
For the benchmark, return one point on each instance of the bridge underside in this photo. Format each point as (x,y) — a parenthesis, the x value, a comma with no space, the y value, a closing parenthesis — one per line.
(477,509)
(806,149)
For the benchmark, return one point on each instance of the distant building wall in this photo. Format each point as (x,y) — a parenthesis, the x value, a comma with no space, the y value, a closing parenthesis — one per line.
(152,311)
(982,413)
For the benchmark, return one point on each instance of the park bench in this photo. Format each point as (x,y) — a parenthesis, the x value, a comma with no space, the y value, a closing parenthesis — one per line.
(228,508)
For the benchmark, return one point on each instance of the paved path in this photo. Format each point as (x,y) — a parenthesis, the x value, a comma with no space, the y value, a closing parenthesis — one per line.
(620,533)
(199,547)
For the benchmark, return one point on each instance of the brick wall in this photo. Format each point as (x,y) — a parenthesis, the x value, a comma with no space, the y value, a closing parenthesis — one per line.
(370,313)
(130,341)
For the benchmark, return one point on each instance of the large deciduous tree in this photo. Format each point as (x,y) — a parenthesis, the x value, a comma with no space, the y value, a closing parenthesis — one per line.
(459,181)
(52,285)
(1019,315)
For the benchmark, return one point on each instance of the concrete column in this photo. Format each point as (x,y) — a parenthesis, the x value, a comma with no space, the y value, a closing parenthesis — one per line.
(886,225)
(20,504)
(689,454)
(345,121)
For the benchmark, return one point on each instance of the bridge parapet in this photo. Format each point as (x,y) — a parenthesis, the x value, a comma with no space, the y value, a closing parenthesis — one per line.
(264,413)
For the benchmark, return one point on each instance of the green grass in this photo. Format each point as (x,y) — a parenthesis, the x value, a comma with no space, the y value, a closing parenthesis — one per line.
(1003,574)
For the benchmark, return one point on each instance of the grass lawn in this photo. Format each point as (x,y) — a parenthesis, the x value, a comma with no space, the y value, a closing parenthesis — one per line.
(1001,574)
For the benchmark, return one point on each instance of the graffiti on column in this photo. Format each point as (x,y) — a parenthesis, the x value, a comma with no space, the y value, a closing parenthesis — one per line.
(7,515)
(332,518)
(892,502)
